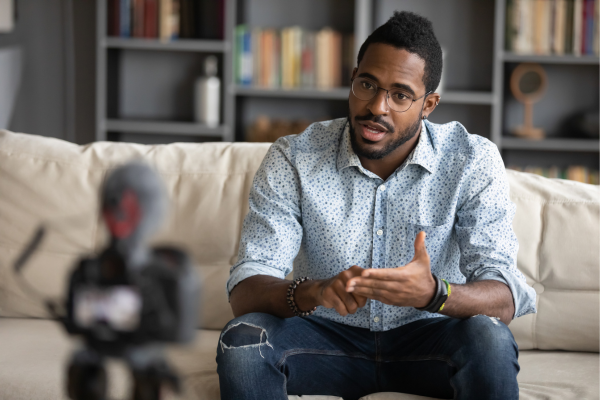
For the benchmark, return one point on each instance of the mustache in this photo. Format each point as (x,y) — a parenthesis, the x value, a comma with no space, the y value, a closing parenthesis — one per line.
(376,119)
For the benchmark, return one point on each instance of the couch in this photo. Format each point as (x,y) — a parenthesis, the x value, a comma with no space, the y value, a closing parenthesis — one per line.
(49,181)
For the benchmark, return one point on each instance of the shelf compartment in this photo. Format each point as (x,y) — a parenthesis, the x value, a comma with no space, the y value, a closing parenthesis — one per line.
(165,128)
(551,144)
(208,46)
(300,93)
(467,97)
(551,59)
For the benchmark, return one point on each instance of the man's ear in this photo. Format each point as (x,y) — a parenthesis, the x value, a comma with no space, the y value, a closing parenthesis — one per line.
(431,103)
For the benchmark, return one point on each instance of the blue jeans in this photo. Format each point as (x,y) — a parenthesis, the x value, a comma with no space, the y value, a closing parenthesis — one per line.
(265,357)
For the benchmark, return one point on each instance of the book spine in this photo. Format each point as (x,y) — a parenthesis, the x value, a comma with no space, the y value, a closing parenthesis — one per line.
(174,20)
(151,19)
(138,18)
(589,27)
(577,26)
(113,26)
(298,33)
(164,18)
(596,32)
(125,18)
(238,50)
(256,56)
(277,59)
(247,59)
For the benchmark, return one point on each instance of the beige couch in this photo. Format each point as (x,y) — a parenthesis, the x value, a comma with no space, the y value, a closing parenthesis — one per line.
(55,182)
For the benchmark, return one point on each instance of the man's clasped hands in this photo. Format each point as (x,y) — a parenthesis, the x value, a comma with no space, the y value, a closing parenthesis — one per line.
(411,285)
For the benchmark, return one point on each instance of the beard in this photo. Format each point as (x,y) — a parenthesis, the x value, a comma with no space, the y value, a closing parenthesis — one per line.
(370,154)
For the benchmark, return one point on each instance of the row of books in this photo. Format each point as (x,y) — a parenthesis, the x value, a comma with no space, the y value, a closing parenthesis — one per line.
(166,19)
(553,27)
(574,172)
(293,57)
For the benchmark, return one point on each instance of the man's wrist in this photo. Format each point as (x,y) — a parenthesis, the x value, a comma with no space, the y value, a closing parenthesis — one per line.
(305,295)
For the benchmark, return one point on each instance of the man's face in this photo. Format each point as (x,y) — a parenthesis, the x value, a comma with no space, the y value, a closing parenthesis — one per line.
(375,129)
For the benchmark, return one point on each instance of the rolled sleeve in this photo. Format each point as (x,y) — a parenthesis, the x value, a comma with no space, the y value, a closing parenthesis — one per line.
(272,230)
(487,242)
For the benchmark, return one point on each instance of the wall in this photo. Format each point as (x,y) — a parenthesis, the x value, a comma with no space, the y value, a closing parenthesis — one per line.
(56,96)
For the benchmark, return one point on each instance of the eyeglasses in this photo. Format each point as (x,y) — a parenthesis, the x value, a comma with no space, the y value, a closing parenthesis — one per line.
(398,100)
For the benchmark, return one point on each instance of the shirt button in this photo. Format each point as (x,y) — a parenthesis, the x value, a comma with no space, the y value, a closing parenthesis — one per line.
(380,232)
(376,319)
(382,187)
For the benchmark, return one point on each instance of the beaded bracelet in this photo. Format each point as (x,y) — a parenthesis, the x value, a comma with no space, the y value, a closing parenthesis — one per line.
(290,298)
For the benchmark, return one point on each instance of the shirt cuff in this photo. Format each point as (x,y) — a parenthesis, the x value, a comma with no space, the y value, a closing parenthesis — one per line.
(523,294)
(248,269)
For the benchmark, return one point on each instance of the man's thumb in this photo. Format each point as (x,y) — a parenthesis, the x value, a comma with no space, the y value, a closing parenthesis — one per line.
(420,249)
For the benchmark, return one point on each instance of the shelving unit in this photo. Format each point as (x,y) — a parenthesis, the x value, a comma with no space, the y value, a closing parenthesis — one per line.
(477,71)
(145,86)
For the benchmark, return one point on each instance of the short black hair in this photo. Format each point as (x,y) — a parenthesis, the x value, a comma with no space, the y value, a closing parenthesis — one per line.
(414,33)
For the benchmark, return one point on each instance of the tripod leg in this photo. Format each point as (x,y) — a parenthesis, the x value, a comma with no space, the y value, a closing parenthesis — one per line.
(152,382)
(86,376)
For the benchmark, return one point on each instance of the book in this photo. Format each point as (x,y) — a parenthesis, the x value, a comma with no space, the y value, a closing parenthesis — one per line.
(113,25)
(138,18)
(125,18)
(164,18)
(151,18)
(577,26)
(559,22)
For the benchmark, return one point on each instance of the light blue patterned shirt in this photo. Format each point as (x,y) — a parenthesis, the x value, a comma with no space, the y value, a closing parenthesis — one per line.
(314,208)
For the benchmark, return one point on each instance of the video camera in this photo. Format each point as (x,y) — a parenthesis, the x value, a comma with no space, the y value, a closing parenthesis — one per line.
(130,300)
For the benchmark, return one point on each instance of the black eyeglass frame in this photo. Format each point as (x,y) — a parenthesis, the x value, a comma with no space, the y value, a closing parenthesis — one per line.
(387,97)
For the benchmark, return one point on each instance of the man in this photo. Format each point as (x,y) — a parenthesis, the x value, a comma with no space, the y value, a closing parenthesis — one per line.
(404,228)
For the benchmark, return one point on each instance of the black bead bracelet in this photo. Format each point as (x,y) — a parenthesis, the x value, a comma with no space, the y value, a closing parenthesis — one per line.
(290,298)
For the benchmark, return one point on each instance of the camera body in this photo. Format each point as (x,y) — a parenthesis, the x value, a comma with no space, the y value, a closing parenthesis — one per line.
(114,306)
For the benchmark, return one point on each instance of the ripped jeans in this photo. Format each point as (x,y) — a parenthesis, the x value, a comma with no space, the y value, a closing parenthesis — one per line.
(265,357)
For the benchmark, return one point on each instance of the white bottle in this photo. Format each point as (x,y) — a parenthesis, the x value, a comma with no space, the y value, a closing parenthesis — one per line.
(207,95)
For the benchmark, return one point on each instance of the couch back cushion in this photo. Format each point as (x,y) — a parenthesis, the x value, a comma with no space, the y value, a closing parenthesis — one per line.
(557,224)
(44,180)
(50,181)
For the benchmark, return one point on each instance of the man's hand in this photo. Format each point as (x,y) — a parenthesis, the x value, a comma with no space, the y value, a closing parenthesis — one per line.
(331,293)
(409,286)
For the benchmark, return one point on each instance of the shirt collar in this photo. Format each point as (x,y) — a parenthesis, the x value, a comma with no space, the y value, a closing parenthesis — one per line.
(423,155)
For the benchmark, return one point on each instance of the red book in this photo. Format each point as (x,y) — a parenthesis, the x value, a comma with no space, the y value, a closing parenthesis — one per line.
(151,18)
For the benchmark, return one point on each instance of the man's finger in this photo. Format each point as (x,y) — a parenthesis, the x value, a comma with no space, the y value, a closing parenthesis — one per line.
(349,302)
(420,248)
(384,273)
(372,283)
(375,294)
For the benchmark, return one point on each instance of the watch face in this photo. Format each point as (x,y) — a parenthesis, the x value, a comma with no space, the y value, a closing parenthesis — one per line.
(117,306)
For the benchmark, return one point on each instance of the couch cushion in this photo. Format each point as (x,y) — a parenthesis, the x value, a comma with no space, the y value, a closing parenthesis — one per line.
(557,224)
(33,355)
(46,180)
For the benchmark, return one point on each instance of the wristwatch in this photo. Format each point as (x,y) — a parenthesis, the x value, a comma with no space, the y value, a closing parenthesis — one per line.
(439,299)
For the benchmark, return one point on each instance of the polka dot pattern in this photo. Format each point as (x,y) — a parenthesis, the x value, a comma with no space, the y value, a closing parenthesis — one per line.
(316,210)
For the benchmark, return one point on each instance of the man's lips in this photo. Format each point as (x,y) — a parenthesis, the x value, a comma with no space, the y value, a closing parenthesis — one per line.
(371,131)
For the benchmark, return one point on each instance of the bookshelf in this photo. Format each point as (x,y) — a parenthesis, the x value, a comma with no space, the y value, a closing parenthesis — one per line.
(144,87)
(477,71)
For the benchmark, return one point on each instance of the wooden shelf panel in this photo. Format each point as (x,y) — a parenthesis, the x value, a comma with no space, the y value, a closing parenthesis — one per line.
(165,127)
(551,144)
(551,59)
(341,93)
(208,46)
(466,97)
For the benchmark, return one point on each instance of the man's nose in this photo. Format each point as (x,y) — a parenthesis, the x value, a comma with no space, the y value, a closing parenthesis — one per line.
(378,104)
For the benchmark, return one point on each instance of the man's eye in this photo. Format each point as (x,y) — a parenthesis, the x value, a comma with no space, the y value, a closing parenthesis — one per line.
(367,85)
(401,96)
